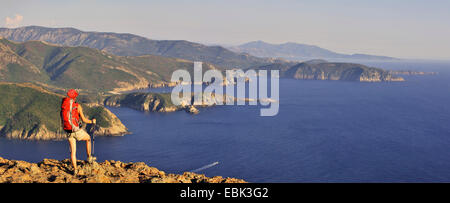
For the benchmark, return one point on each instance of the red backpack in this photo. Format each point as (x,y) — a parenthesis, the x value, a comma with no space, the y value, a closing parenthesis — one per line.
(69,115)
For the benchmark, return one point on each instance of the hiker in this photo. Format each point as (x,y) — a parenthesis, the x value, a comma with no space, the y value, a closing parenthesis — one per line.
(71,112)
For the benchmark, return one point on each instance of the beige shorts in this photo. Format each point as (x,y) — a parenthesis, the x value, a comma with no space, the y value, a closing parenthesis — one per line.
(78,136)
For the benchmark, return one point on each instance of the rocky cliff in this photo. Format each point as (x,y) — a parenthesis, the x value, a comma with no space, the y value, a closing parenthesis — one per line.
(114,126)
(333,71)
(161,102)
(54,171)
(148,102)
(340,71)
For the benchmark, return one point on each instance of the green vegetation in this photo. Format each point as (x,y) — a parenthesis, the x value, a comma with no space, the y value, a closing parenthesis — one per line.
(84,68)
(133,45)
(142,101)
(22,73)
(60,68)
(99,113)
(322,70)
(25,107)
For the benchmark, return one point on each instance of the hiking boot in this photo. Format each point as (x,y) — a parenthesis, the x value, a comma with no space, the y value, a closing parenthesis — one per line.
(91,159)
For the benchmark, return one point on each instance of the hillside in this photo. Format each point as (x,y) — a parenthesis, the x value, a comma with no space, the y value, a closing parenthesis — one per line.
(84,68)
(59,68)
(295,51)
(30,112)
(322,70)
(54,171)
(133,45)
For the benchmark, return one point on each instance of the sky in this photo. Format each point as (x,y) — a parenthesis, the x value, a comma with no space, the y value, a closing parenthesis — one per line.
(416,29)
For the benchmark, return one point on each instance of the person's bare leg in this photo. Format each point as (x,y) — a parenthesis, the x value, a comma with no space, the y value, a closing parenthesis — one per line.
(73,152)
(87,138)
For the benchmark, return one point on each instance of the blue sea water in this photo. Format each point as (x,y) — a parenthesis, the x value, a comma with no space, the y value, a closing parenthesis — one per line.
(326,131)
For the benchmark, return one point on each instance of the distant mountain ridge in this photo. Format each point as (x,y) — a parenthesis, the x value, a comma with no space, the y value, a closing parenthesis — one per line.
(295,51)
(133,45)
(85,68)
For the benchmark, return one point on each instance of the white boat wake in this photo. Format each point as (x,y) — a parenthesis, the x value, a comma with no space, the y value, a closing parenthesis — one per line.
(205,167)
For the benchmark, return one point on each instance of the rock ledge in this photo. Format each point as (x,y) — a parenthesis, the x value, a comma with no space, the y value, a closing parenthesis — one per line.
(54,171)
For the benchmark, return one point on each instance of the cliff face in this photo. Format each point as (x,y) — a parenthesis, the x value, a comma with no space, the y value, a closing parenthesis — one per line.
(333,71)
(39,133)
(161,102)
(340,71)
(54,171)
(115,127)
(147,102)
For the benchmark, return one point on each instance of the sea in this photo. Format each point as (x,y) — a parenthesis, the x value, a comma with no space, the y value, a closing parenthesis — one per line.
(325,131)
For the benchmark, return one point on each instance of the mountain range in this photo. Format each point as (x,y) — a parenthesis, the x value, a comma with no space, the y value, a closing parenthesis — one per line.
(63,67)
(295,51)
(85,68)
(133,45)
(123,44)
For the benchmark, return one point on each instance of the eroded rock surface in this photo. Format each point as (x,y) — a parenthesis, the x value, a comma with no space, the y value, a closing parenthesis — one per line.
(54,171)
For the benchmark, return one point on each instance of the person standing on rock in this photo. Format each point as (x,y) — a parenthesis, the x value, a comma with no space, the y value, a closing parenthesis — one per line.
(71,112)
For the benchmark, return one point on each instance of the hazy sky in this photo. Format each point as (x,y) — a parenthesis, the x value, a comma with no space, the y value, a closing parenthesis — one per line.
(399,28)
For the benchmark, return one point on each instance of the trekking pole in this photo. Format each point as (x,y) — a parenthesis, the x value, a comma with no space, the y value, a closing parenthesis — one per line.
(93,138)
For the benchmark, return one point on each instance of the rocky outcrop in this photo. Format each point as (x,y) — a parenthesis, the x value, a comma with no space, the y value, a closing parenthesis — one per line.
(148,102)
(54,171)
(375,75)
(333,71)
(191,109)
(162,84)
(115,128)
(38,133)
(161,102)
